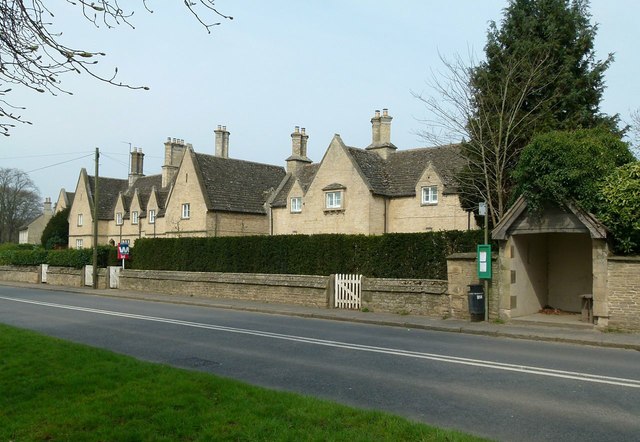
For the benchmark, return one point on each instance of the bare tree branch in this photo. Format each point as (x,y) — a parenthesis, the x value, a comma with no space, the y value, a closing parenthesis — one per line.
(490,126)
(32,55)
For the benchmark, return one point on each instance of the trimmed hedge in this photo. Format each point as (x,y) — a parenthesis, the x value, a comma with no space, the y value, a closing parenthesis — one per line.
(397,255)
(76,258)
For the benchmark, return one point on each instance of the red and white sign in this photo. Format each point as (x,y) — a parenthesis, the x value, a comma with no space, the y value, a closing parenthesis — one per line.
(123,250)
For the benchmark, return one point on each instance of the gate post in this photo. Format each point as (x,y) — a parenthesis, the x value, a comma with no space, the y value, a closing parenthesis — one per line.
(331,291)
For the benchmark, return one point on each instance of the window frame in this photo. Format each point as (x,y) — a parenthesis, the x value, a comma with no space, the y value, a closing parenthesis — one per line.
(80,220)
(152,216)
(431,193)
(119,219)
(296,208)
(333,195)
(134,217)
(79,243)
(186,211)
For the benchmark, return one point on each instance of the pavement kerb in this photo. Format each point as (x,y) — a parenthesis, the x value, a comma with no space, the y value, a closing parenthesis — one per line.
(630,341)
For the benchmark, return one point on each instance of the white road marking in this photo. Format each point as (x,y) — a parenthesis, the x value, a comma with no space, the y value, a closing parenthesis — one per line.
(586,377)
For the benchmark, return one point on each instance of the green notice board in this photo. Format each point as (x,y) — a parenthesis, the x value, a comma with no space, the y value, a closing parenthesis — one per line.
(484,261)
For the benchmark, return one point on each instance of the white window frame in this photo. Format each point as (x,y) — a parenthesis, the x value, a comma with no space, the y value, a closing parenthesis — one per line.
(152,216)
(430,195)
(186,211)
(296,204)
(134,217)
(119,218)
(79,243)
(80,219)
(333,200)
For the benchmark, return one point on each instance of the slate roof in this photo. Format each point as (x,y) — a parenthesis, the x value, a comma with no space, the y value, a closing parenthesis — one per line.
(70,197)
(396,176)
(108,189)
(232,185)
(305,177)
(144,185)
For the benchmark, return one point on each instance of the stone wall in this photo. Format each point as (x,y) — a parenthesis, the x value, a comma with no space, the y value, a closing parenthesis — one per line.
(280,289)
(65,276)
(623,291)
(29,274)
(406,296)
(461,272)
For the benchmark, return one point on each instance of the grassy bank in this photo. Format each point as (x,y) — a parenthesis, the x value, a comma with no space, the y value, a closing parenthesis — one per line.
(54,390)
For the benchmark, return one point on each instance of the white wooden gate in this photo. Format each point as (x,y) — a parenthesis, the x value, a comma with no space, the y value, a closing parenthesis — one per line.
(348,291)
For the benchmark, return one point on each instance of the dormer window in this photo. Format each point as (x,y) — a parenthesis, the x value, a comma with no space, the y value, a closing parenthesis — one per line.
(119,218)
(186,211)
(152,216)
(134,217)
(296,204)
(333,200)
(430,195)
(334,196)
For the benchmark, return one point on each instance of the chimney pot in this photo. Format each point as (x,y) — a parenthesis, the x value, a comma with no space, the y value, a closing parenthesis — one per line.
(303,131)
(377,113)
(219,127)
(224,127)
(296,129)
(385,112)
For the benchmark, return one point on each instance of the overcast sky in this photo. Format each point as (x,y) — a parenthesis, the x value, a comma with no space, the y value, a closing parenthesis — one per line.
(323,65)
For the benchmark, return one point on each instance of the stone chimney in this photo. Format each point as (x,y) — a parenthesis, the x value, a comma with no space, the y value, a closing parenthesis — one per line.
(381,134)
(137,161)
(298,157)
(222,141)
(47,210)
(174,149)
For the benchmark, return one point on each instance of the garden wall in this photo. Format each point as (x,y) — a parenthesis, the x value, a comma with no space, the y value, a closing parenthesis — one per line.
(623,292)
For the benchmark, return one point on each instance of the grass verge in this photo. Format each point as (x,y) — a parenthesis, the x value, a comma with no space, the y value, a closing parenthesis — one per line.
(55,390)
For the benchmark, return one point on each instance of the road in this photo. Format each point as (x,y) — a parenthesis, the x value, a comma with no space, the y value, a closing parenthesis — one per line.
(494,387)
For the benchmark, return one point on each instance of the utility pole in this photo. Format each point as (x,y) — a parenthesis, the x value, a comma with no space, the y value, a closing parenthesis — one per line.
(95,222)
(486,281)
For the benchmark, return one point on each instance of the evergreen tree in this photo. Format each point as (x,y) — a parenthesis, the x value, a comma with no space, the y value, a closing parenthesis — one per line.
(554,38)
(56,233)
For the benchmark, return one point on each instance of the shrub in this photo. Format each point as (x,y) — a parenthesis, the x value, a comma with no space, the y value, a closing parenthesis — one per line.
(568,165)
(620,207)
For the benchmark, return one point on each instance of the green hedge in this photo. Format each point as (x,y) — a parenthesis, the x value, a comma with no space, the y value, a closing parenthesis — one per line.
(398,255)
(76,258)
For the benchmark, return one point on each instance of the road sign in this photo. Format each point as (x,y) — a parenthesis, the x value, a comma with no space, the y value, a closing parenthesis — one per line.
(123,250)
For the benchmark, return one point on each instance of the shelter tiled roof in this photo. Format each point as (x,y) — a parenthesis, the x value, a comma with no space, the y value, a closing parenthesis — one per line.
(236,185)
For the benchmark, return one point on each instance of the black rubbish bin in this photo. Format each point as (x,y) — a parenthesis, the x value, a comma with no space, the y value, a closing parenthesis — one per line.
(476,302)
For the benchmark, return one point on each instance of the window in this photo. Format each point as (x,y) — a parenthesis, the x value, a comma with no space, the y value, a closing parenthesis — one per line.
(186,210)
(79,243)
(296,204)
(333,200)
(152,216)
(119,218)
(79,219)
(430,195)
(134,217)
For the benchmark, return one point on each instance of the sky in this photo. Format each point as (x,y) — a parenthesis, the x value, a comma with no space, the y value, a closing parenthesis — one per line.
(323,65)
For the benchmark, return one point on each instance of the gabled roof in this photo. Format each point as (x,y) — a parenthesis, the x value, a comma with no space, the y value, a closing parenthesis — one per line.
(236,185)
(564,218)
(108,191)
(304,178)
(144,185)
(396,176)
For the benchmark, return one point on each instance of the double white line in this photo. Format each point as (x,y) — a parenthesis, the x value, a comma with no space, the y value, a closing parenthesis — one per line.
(585,377)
